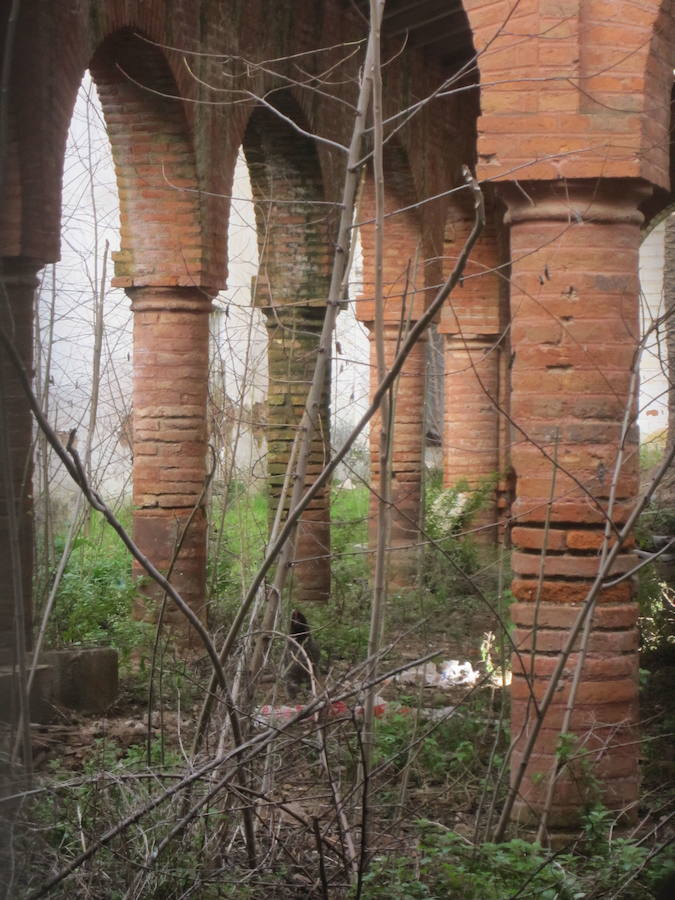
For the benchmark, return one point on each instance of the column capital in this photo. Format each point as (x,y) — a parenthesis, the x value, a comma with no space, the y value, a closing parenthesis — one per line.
(576,201)
(173,299)
(312,311)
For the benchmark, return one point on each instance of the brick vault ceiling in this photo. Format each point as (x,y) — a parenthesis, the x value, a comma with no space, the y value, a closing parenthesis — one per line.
(439,27)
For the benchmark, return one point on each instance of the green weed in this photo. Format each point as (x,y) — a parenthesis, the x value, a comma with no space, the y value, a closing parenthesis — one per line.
(237,540)
(446,865)
(652,450)
(94,602)
(435,752)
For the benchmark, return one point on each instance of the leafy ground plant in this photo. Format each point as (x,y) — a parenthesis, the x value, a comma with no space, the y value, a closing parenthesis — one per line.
(447,866)
(236,544)
(95,597)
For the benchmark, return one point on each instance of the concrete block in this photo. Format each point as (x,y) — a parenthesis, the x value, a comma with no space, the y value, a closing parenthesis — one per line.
(41,695)
(86,680)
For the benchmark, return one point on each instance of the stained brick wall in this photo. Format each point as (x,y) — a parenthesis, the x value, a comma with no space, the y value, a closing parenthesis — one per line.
(19,281)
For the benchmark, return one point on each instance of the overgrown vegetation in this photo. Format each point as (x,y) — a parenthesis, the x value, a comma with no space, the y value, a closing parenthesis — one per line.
(96,594)
(237,543)
(438,754)
(438,771)
(447,865)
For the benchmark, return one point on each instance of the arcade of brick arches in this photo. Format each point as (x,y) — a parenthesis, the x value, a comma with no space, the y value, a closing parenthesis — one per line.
(561,108)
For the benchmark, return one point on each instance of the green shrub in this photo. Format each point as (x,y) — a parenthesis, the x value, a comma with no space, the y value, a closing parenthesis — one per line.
(93,605)
(342,626)
(449,513)
(657,617)
(237,540)
(447,866)
(435,752)
(652,450)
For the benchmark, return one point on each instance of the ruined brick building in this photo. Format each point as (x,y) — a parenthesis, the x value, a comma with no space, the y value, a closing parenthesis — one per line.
(562,110)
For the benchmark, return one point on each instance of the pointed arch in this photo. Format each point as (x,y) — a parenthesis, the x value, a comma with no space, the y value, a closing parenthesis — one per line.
(403,247)
(286,181)
(154,162)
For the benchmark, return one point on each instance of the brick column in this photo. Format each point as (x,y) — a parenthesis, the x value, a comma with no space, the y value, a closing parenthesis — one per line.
(18,279)
(471,323)
(575,328)
(471,438)
(293,341)
(171,361)
(404,299)
(407,456)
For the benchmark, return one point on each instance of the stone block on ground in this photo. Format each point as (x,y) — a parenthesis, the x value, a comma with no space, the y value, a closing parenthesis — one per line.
(41,695)
(86,680)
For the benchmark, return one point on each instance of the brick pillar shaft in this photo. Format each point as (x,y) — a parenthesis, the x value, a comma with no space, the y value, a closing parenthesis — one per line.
(406,455)
(19,280)
(575,329)
(293,335)
(471,324)
(171,359)
(471,440)
(404,298)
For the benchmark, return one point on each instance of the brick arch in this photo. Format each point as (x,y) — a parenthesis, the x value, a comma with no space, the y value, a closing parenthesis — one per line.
(658,123)
(160,241)
(285,179)
(404,248)
(51,51)
(656,86)
(39,107)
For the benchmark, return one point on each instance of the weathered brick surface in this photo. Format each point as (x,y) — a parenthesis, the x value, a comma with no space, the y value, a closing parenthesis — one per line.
(292,290)
(160,240)
(472,322)
(572,89)
(574,285)
(471,446)
(407,451)
(171,359)
(404,263)
(404,299)
(17,288)
(293,344)
(475,306)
